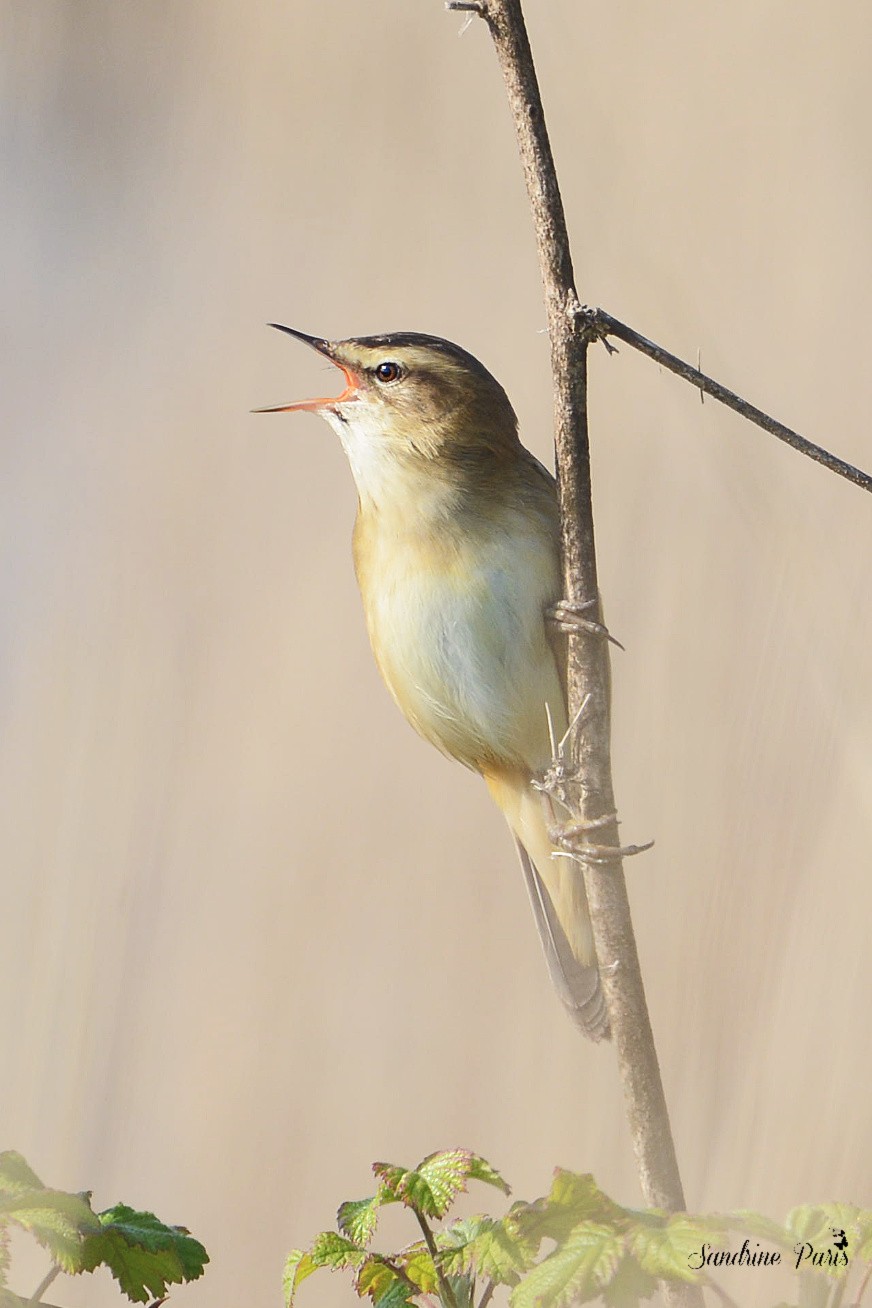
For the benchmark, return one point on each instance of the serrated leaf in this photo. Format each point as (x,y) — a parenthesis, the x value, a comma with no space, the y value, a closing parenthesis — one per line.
(58,1220)
(298,1265)
(629,1286)
(814,1222)
(143,1254)
(418,1266)
(383,1283)
(435,1183)
(481,1170)
(481,1246)
(397,1295)
(574,1198)
(665,1251)
(576,1272)
(816,1227)
(336,1252)
(357,1218)
(16,1174)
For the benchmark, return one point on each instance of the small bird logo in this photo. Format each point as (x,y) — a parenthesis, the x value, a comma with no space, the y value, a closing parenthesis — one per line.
(457,555)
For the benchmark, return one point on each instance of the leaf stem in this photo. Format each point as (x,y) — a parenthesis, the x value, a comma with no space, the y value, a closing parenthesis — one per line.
(862,1287)
(488,1294)
(404,1277)
(446,1293)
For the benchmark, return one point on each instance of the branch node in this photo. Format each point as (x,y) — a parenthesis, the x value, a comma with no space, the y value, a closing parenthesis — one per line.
(467,6)
(593,326)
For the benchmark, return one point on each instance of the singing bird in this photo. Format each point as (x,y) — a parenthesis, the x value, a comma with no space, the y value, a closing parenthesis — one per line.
(456,551)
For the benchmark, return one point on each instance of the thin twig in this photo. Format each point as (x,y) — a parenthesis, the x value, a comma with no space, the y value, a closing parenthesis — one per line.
(588,661)
(51,1275)
(600,324)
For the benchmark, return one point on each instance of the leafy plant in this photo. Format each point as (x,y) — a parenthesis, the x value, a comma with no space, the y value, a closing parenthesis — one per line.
(574,1245)
(143,1254)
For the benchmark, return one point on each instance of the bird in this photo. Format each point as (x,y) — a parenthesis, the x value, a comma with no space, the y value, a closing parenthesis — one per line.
(456,549)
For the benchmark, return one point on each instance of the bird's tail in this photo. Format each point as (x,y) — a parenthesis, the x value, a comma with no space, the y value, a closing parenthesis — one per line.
(557,895)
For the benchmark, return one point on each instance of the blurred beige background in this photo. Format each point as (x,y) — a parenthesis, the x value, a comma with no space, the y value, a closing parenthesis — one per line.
(254,933)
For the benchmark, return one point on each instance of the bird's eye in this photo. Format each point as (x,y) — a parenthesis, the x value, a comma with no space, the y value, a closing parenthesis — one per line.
(388,372)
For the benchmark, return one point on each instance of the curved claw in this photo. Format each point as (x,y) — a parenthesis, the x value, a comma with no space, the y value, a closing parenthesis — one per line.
(570,618)
(601,855)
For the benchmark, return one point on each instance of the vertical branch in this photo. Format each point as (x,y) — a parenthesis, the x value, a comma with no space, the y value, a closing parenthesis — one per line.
(588,665)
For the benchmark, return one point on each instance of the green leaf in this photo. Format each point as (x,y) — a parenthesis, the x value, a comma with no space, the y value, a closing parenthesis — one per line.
(357,1218)
(58,1220)
(573,1199)
(462,1288)
(815,1227)
(336,1252)
(763,1228)
(629,1285)
(576,1272)
(864,1235)
(435,1183)
(815,1222)
(298,1265)
(481,1246)
(481,1170)
(16,1174)
(665,1251)
(383,1283)
(397,1295)
(418,1266)
(142,1253)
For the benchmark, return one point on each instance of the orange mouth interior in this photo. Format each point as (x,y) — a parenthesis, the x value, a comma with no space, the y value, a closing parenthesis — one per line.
(322,401)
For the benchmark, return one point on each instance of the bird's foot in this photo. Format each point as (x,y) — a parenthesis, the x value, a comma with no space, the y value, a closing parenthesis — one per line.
(568,832)
(601,855)
(570,618)
(571,842)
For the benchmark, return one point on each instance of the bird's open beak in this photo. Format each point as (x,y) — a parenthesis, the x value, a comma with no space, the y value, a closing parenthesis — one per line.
(312,406)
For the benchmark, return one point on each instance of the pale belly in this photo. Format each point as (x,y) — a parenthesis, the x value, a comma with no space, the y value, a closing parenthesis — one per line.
(464,651)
